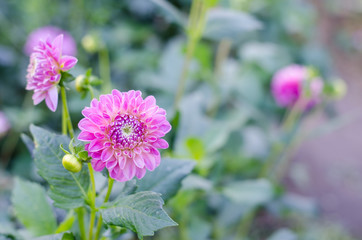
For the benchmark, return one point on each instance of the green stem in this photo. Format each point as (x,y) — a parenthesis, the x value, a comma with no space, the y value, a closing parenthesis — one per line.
(104,70)
(91,224)
(194,31)
(92,203)
(66,111)
(100,220)
(91,91)
(64,122)
(80,215)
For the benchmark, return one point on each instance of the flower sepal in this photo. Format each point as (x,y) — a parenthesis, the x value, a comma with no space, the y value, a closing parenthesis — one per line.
(66,78)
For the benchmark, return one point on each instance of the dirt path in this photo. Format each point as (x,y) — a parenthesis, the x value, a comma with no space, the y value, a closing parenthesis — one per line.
(332,164)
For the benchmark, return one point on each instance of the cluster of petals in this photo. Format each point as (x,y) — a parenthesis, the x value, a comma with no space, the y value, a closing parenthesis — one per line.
(50,32)
(44,71)
(124,132)
(4,124)
(289,83)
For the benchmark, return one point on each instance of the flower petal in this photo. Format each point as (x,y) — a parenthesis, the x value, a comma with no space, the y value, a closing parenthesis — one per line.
(160,143)
(98,165)
(86,136)
(67,62)
(51,98)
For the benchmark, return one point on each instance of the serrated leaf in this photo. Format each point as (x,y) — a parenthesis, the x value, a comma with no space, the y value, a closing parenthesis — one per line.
(64,186)
(166,179)
(250,192)
(32,209)
(141,212)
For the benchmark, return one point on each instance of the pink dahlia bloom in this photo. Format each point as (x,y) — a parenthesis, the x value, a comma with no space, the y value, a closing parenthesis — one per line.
(50,33)
(124,131)
(4,124)
(288,85)
(44,71)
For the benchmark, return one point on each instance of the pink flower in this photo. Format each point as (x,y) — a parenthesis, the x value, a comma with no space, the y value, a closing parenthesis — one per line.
(44,71)
(4,124)
(50,33)
(289,84)
(124,131)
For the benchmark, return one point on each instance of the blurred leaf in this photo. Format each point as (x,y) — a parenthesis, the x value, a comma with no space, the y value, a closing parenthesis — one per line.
(64,188)
(59,236)
(196,148)
(194,181)
(226,23)
(264,55)
(249,192)
(166,178)
(141,212)
(284,234)
(170,12)
(199,229)
(203,53)
(32,209)
(300,204)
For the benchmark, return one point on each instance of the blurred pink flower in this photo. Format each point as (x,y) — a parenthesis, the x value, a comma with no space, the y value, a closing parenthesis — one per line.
(4,124)
(288,85)
(44,71)
(124,131)
(50,33)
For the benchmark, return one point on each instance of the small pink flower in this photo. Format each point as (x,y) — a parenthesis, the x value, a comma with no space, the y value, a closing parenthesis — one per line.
(44,71)
(288,85)
(4,124)
(124,131)
(50,33)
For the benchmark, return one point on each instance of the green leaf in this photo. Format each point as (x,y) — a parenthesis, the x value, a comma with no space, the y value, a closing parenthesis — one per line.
(59,236)
(66,189)
(141,212)
(250,193)
(229,24)
(32,209)
(196,148)
(67,223)
(283,233)
(170,12)
(166,179)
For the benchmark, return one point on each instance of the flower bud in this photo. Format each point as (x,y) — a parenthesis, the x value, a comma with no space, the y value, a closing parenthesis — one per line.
(336,89)
(71,163)
(80,83)
(90,43)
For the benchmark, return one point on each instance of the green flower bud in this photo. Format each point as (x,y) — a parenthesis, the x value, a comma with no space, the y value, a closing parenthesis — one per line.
(80,83)
(90,43)
(71,163)
(336,89)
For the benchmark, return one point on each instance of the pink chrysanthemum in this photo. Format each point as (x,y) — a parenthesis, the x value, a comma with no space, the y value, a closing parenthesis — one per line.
(50,32)
(124,131)
(44,71)
(288,85)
